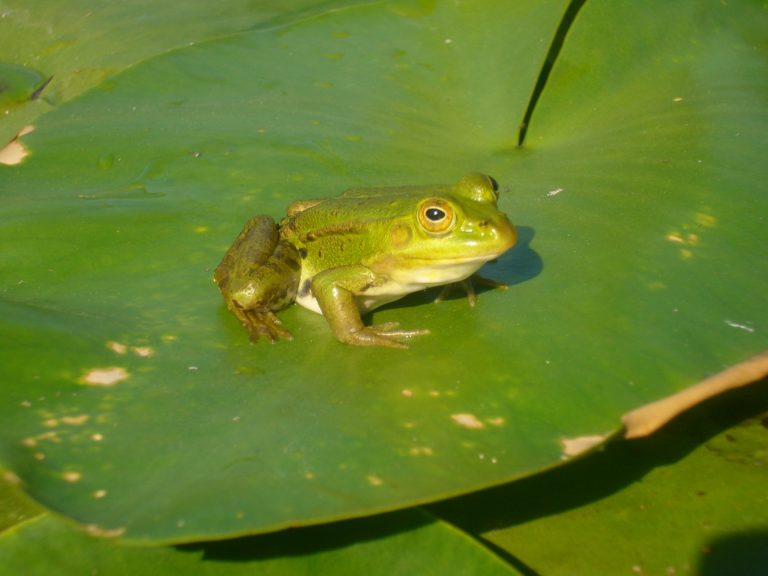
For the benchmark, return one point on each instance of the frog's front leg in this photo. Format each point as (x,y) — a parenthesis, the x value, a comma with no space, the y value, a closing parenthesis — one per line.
(258,275)
(335,290)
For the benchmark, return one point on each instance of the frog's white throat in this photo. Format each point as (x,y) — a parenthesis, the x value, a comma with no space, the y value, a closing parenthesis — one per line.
(405,281)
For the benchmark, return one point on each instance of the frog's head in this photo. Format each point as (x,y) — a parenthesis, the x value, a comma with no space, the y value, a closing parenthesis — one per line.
(451,232)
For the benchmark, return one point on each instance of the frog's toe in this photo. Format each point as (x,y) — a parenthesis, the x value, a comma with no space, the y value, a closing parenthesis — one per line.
(261,322)
(468,285)
(465,285)
(388,334)
(489,282)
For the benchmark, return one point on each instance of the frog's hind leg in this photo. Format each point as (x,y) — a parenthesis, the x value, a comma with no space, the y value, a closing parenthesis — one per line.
(250,250)
(259,275)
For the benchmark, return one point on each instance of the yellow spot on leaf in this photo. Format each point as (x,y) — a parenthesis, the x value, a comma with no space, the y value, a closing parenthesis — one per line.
(11,478)
(104,532)
(374,480)
(421,451)
(143,351)
(75,420)
(498,421)
(105,376)
(51,423)
(72,476)
(38,456)
(706,220)
(117,347)
(14,152)
(97,437)
(52,436)
(200,229)
(407,393)
(575,446)
(99,494)
(467,421)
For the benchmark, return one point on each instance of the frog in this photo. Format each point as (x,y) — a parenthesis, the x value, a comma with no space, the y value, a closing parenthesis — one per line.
(345,256)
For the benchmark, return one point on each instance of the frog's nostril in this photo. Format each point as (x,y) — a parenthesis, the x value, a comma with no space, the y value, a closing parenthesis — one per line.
(484,224)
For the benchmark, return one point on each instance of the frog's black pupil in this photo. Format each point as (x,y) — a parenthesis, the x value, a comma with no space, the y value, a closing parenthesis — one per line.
(435,214)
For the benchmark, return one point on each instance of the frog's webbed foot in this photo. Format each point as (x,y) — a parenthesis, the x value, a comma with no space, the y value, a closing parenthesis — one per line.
(387,334)
(261,322)
(468,286)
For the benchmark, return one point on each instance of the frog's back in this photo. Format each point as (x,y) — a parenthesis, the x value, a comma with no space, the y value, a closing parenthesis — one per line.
(356,218)
(389,192)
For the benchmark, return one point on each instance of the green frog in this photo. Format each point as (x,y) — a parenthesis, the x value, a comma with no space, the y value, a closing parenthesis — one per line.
(345,256)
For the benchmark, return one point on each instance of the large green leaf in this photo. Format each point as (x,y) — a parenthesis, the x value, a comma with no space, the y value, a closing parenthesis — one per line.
(638,182)
(407,542)
(79,43)
(688,500)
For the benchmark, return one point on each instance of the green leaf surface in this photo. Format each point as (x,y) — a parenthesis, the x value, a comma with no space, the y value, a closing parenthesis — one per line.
(402,543)
(81,42)
(636,199)
(17,84)
(15,507)
(688,500)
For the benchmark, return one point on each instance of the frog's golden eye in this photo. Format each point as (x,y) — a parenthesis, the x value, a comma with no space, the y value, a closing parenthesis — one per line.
(436,216)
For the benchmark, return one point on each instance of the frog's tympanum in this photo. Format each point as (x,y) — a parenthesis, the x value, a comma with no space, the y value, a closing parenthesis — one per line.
(345,256)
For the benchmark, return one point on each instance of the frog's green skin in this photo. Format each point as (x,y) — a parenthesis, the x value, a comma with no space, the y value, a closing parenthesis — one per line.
(347,255)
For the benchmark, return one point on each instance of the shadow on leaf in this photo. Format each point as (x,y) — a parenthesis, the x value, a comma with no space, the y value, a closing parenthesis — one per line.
(311,540)
(605,472)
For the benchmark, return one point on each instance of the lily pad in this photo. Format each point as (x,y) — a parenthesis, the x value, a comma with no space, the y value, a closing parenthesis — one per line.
(689,500)
(134,402)
(79,43)
(407,542)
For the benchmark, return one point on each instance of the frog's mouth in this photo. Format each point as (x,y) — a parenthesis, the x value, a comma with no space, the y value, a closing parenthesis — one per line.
(438,262)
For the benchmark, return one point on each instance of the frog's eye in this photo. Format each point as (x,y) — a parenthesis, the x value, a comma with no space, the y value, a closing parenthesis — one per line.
(436,216)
